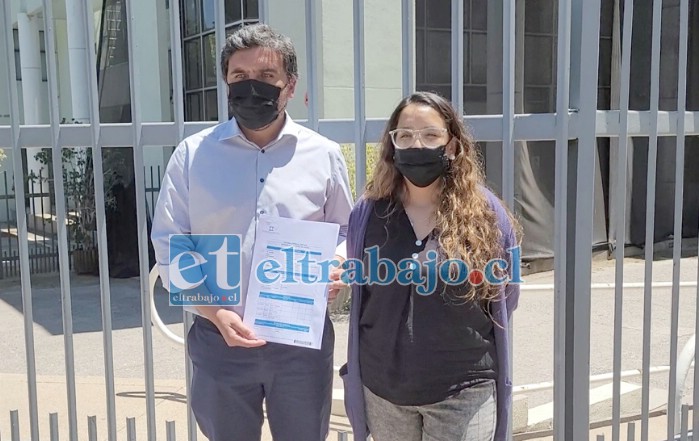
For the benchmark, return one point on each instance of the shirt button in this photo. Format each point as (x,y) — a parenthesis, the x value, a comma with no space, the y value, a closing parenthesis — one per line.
(262,211)
(415,256)
(418,242)
(262,179)
(262,151)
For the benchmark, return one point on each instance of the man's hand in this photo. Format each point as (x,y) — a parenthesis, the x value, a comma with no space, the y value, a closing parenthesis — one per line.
(231,327)
(336,276)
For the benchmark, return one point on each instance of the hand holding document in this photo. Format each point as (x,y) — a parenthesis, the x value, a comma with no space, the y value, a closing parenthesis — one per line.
(286,298)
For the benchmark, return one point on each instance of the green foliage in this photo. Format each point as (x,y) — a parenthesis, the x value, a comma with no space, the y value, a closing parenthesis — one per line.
(372,157)
(79,188)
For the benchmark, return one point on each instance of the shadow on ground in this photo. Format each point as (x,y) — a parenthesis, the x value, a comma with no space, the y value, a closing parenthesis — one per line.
(86,303)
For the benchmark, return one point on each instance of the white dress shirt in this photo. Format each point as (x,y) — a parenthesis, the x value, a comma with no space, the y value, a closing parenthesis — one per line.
(218,182)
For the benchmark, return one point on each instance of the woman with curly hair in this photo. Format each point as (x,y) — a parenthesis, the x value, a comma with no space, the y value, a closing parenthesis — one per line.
(430,366)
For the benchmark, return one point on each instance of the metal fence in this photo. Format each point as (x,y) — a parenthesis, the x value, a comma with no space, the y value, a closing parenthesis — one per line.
(42,234)
(575,128)
(43,251)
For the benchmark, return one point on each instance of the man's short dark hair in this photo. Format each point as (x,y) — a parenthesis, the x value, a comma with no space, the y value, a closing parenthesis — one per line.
(260,35)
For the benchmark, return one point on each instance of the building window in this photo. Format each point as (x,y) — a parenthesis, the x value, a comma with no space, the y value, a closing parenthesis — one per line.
(18,63)
(539,19)
(539,58)
(433,49)
(201,53)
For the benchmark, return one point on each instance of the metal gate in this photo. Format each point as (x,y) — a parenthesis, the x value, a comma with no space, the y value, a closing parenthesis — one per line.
(575,128)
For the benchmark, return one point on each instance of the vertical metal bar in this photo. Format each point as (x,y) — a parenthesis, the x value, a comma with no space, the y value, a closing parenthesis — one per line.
(176,59)
(170,430)
(508,141)
(674,400)
(23,243)
(92,428)
(37,248)
(221,84)
(6,199)
(631,431)
(134,76)
(131,429)
(408,45)
(54,249)
(53,426)
(14,419)
(178,103)
(695,398)
(151,192)
(684,420)
(457,55)
(264,11)
(508,101)
(7,210)
(61,217)
(101,223)
(43,209)
(312,63)
(191,421)
(561,215)
(32,195)
(650,215)
(620,220)
(584,65)
(359,97)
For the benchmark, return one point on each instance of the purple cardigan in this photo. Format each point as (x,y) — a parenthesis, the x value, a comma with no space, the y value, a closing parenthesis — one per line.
(502,311)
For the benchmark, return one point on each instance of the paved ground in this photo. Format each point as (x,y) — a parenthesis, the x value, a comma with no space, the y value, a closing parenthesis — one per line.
(533,349)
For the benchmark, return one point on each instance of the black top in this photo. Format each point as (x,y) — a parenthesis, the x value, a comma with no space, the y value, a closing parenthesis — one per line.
(414,349)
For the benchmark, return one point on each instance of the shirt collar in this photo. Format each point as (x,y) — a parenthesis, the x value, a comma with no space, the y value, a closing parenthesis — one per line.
(230,129)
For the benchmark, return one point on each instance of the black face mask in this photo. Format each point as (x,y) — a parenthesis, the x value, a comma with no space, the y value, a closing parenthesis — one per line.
(254,104)
(421,166)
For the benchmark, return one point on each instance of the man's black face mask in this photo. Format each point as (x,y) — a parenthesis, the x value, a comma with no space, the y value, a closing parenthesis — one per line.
(254,104)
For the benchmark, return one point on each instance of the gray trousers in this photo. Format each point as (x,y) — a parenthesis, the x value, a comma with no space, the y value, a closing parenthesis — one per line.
(229,385)
(468,416)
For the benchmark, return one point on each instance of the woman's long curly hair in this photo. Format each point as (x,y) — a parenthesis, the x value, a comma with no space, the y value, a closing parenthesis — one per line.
(466,224)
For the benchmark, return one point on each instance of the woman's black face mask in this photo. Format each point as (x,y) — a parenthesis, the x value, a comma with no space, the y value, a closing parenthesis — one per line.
(421,166)
(254,104)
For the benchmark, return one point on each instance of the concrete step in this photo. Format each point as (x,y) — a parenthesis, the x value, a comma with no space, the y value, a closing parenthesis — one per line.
(540,418)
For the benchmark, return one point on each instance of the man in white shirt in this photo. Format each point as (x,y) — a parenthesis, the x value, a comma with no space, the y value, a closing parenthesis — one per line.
(219,181)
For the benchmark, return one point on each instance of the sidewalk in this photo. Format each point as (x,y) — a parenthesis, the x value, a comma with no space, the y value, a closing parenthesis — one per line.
(170,405)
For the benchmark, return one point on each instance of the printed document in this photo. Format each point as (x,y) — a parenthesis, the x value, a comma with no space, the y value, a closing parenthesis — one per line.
(287,292)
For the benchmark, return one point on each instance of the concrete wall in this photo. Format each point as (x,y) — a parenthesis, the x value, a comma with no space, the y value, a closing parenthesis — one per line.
(151,25)
(382,37)
(335,58)
(289,18)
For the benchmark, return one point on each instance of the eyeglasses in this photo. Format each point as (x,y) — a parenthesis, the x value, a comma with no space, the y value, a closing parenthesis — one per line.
(430,137)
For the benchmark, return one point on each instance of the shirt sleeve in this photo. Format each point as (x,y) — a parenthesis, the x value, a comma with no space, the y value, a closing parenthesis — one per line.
(338,205)
(511,289)
(171,216)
